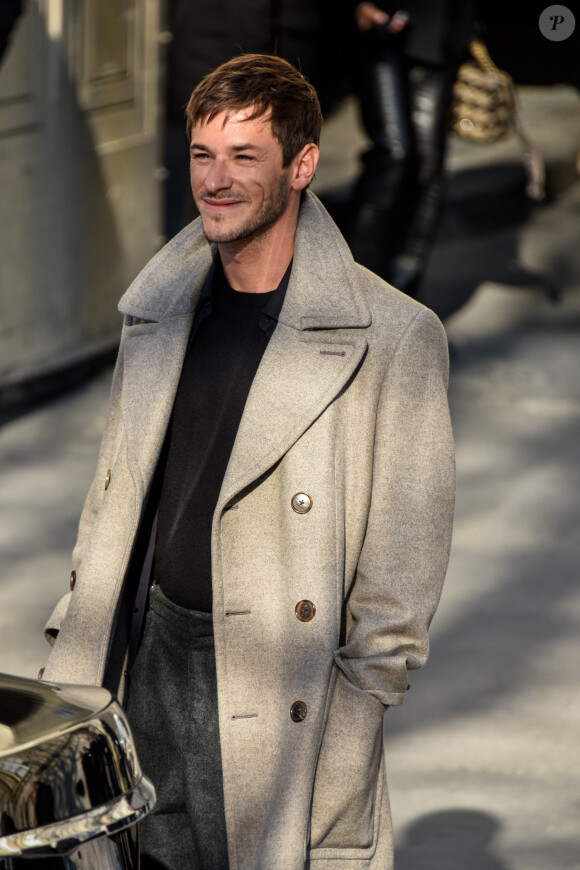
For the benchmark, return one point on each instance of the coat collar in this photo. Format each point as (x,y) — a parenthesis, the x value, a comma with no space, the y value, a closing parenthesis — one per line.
(172,282)
(323,292)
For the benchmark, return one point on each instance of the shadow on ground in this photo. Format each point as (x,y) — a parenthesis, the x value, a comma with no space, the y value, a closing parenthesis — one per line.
(454,838)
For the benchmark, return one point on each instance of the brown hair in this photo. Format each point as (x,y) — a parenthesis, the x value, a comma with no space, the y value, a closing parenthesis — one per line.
(269,84)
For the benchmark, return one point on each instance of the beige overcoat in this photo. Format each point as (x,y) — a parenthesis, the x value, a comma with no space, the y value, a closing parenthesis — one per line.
(348,406)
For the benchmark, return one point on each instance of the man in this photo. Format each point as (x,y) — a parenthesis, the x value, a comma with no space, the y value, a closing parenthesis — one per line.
(278,459)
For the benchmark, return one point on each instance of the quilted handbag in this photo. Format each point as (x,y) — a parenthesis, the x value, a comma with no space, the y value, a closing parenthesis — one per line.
(484,109)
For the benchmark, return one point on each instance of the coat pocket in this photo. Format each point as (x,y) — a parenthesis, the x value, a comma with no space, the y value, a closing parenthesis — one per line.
(346,783)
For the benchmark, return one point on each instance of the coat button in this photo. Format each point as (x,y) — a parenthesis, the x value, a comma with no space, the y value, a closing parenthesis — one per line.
(298,711)
(107,478)
(41,673)
(305,611)
(73,580)
(301,502)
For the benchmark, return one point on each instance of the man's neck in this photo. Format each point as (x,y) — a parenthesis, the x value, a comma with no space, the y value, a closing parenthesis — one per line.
(258,264)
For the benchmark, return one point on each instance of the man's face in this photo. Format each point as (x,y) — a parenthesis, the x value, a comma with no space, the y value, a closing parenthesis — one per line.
(239,184)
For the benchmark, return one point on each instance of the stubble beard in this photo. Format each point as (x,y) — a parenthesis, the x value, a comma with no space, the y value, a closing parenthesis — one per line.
(257,225)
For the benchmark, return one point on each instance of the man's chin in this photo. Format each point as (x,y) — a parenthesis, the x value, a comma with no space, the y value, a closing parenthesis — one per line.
(217,236)
(218,232)
(214,230)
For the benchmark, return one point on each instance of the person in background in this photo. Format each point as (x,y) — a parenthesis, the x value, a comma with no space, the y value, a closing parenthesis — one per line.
(266,538)
(405,62)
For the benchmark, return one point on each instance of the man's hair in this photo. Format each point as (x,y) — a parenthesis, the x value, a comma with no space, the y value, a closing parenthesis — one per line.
(268,84)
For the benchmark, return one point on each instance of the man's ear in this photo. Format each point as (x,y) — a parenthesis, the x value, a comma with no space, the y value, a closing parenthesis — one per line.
(304,166)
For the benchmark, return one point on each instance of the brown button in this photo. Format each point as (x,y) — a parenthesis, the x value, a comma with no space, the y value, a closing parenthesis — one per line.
(107,478)
(305,611)
(298,711)
(73,580)
(41,673)
(301,502)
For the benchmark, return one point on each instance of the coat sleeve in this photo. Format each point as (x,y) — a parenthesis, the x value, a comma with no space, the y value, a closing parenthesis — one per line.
(404,557)
(396,589)
(109,444)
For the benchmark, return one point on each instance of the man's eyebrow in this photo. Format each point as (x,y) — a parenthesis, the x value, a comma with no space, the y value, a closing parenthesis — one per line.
(245,146)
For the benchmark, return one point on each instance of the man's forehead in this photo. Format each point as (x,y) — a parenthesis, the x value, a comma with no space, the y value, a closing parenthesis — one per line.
(237,116)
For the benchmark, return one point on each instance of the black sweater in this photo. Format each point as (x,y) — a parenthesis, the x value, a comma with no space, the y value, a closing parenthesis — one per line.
(215,381)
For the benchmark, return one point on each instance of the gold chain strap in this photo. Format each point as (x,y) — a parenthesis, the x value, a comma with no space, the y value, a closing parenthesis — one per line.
(479,51)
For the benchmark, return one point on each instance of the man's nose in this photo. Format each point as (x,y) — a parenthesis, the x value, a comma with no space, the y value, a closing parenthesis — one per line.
(218,176)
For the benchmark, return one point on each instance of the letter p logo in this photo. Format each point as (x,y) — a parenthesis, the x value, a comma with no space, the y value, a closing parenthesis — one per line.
(557,23)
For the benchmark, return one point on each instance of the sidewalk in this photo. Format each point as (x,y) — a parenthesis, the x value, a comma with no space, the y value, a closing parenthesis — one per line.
(483,756)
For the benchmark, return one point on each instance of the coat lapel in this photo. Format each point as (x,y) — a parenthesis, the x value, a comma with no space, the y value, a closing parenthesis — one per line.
(318,344)
(160,306)
(299,377)
(152,362)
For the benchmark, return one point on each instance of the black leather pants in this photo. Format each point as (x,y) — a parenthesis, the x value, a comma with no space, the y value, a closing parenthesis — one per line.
(397,200)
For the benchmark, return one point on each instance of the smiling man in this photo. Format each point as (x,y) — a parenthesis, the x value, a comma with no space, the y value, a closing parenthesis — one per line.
(264,544)
(238,201)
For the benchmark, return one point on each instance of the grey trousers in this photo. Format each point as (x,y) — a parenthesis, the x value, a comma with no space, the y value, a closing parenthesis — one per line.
(172,710)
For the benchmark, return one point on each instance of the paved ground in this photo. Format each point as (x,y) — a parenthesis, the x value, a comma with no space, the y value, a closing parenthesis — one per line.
(484,754)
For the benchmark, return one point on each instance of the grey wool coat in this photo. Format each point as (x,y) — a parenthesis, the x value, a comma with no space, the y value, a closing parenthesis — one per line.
(348,406)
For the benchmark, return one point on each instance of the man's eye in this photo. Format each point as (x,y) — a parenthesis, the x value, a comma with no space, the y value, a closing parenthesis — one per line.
(245,157)
(199,155)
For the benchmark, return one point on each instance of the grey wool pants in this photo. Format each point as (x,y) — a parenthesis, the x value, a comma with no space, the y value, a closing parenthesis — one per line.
(172,710)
